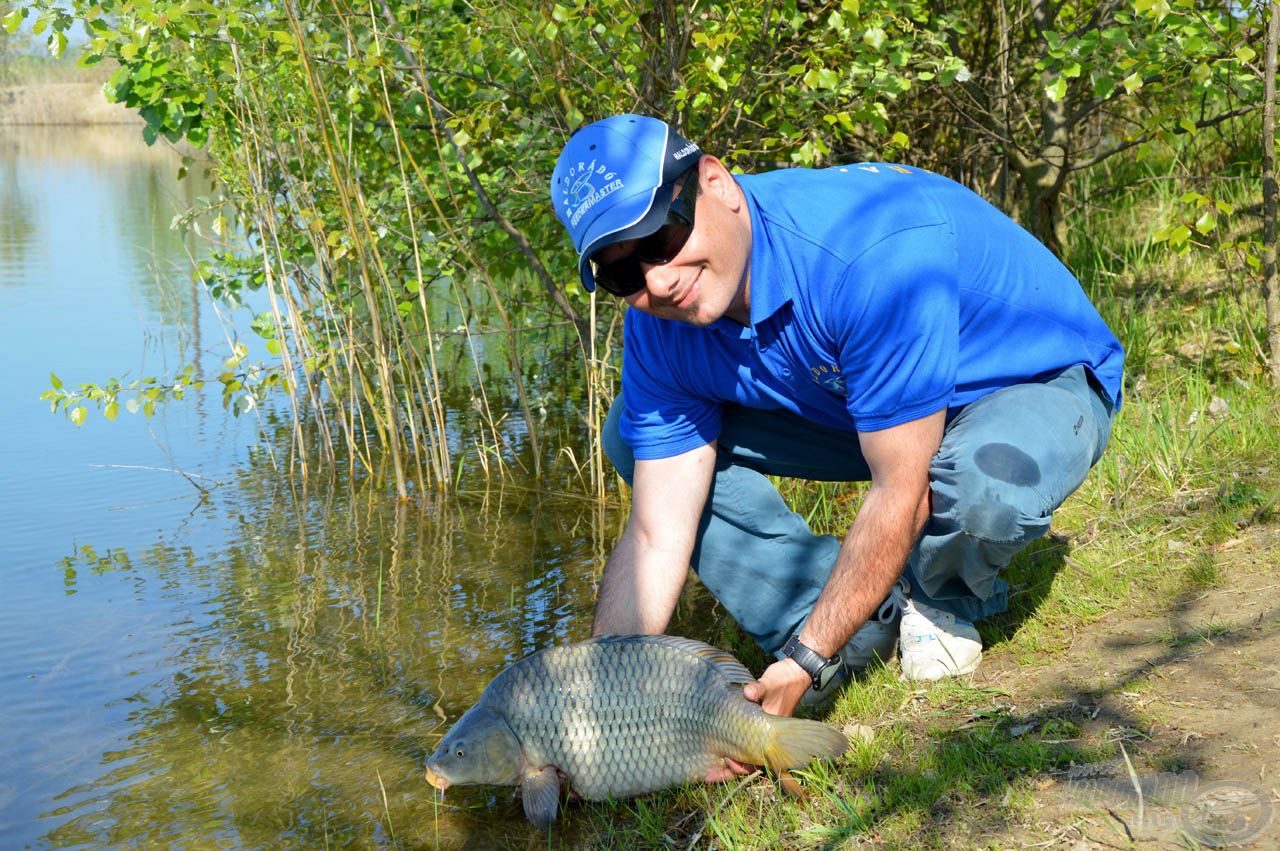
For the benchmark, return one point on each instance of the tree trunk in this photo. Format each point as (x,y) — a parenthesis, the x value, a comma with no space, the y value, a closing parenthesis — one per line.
(1269,191)
(662,27)
(1044,178)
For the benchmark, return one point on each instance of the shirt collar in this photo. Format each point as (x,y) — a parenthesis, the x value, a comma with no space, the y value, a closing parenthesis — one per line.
(772,285)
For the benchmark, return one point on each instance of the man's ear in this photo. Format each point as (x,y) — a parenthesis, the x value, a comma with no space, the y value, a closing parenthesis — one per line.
(716,179)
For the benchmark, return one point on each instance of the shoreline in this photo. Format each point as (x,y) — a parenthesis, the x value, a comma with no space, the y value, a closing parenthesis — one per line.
(61,104)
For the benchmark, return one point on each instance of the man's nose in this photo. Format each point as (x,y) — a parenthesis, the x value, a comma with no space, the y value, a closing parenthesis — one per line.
(659,278)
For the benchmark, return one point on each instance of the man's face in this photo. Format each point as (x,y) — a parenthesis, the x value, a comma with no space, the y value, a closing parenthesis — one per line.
(709,277)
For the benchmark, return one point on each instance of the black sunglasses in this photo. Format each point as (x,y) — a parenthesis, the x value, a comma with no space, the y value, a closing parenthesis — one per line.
(625,276)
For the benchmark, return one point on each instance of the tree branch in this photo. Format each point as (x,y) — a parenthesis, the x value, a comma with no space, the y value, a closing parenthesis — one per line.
(1145,137)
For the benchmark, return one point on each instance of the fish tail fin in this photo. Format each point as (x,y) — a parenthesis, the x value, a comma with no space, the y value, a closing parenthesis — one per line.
(796,742)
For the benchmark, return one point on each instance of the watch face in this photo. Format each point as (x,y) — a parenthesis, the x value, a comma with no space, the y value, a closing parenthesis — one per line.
(827,674)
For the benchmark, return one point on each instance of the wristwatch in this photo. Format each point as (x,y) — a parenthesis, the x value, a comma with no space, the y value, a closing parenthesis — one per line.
(819,668)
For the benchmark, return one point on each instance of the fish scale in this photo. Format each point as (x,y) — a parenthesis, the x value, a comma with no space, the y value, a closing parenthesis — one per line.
(603,744)
(619,716)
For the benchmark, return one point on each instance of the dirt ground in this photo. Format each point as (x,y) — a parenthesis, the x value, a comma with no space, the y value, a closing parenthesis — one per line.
(1190,695)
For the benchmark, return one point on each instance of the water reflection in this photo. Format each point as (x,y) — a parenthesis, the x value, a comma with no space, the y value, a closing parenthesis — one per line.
(320,653)
(268,665)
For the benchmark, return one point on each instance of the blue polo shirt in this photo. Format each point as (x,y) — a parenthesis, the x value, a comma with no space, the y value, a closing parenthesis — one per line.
(879,294)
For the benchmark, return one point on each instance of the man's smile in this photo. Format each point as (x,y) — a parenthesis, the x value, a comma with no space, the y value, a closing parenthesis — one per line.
(687,297)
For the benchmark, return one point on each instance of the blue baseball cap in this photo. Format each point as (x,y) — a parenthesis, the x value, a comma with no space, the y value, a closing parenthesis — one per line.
(605,184)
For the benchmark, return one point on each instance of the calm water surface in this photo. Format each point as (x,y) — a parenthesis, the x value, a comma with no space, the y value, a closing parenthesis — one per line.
(255,666)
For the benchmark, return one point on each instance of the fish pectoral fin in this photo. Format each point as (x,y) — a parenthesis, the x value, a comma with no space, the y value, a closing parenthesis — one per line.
(540,794)
(790,785)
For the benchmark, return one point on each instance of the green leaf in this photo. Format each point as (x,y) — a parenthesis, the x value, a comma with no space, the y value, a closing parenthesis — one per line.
(273,346)
(1133,82)
(1056,90)
(14,19)
(55,381)
(78,414)
(1071,70)
(1187,124)
(874,37)
(1207,221)
(110,410)
(1244,53)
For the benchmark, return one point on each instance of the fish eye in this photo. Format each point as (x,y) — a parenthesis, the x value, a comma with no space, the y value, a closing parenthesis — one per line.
(459,752)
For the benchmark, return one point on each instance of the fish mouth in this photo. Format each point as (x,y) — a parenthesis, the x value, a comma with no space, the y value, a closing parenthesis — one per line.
(437,779)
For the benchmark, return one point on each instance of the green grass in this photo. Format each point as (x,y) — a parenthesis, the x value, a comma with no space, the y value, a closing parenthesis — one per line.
(953,765)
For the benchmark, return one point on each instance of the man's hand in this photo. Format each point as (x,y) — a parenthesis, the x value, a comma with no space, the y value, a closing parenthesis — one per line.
(731,769)
(780,687)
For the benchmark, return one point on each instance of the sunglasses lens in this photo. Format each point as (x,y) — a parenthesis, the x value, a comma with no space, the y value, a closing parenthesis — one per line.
(622,277)
(664,243)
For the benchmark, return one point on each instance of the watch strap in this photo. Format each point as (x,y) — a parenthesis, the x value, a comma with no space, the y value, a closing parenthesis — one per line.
(819,668)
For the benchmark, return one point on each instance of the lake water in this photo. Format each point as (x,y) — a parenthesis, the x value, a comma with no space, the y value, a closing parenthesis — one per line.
(262,665)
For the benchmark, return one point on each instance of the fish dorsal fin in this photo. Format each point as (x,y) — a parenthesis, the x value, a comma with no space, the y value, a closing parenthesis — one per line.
(724,663)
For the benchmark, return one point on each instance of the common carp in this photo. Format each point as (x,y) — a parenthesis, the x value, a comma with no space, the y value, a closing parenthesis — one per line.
(618,716)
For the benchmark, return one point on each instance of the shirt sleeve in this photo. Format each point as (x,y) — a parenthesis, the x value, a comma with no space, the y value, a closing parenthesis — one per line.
(663,416)
(895,324)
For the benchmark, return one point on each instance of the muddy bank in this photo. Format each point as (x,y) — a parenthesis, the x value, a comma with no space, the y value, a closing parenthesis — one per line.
(77,104)
(1191,694)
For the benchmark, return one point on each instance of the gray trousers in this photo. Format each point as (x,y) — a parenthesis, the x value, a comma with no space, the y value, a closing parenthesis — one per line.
(1006,462)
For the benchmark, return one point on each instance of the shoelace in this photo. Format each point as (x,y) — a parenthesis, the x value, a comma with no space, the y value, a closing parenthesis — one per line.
(894,604)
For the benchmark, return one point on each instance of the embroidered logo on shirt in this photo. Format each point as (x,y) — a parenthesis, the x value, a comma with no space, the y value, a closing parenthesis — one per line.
(828,377)
(581,193)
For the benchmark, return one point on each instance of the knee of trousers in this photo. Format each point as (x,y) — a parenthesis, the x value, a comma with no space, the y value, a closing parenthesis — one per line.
(993,516)
(1001,527)
(614,446)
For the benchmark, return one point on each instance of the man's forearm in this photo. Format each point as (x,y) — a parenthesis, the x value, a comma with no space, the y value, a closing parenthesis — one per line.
(871,558)
(639,589)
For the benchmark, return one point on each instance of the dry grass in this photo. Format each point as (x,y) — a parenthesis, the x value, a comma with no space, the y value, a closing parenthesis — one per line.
(59,103)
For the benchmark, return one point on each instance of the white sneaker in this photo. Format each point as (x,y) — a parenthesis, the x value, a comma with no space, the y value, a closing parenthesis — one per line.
(934,644)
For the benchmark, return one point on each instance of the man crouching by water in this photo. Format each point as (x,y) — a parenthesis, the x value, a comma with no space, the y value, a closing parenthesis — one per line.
(869,322)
